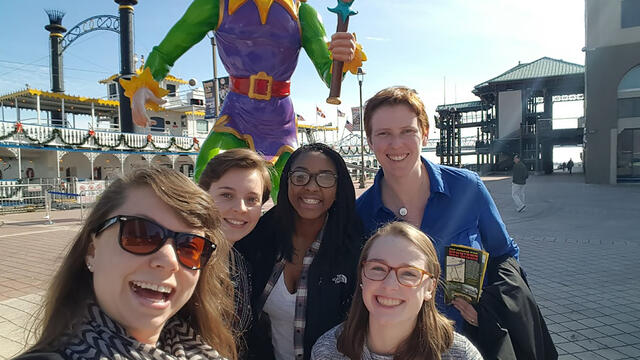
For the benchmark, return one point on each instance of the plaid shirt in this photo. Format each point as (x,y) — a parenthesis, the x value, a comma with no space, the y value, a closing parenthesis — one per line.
(301,294)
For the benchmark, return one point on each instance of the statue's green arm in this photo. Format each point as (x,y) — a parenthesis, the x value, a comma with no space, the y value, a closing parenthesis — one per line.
(201,16)
(314,41)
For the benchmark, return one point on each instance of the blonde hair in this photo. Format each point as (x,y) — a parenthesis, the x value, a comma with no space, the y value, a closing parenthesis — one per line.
(396,95)
(209,310)
(236,159)
(433,333)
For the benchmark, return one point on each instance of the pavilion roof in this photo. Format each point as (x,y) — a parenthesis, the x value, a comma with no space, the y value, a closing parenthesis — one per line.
(542,68)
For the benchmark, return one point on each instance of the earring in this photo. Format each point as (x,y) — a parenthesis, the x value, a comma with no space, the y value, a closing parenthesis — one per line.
(361,285)
(90,267)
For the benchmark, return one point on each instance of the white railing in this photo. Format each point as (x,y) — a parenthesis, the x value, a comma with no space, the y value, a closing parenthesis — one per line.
(78,138)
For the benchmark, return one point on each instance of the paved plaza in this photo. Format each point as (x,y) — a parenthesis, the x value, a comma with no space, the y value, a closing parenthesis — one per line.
(579,246)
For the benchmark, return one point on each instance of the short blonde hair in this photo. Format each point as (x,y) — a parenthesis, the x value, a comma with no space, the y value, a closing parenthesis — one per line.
(236,159)
(396,95)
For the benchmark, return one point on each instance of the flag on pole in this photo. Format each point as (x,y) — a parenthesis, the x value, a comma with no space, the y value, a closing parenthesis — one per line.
(341,114)
(349,126)
(319,112)
(300,118)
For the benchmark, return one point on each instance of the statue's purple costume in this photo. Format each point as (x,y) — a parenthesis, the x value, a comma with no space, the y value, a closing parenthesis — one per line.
(248,47)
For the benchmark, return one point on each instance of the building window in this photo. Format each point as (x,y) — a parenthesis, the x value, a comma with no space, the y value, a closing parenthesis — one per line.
(113,90)
(629,107)
(630,14)
(202,126)
(157,123)
(630,82)
(172,90)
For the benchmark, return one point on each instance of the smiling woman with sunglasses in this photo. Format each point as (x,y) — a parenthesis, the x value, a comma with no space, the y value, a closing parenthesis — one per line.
(304,253)
(393,315)
(146,277)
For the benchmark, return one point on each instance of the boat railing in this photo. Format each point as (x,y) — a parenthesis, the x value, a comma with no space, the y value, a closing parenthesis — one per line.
(42,135)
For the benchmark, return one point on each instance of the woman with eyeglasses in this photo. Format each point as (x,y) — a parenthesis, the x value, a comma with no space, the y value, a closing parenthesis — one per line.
(304,253)
(146,277)
(393,315)
(239,182)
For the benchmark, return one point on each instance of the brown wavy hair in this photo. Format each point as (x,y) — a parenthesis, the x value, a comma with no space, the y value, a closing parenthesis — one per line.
(396,95)
(433,333)
(210,308)
(236,159)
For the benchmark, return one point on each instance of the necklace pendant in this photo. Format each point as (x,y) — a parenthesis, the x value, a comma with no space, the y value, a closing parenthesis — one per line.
(403,211)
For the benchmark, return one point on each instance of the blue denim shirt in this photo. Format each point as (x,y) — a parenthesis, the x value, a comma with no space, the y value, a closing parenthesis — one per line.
(460,210)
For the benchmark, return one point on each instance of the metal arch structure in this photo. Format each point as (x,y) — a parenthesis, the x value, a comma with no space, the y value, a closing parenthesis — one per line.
(94,23)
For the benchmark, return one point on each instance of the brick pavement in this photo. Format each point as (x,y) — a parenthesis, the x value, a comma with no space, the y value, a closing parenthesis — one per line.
(579,245)
(30,253)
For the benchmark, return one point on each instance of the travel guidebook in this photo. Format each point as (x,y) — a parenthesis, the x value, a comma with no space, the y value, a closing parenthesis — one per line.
(464,273)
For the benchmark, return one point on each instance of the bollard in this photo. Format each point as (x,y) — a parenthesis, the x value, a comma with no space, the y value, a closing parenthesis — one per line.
(47,206)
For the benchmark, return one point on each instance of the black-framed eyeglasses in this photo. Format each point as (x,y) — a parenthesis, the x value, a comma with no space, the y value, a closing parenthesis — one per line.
(140,236)
(323,179)
(408,276)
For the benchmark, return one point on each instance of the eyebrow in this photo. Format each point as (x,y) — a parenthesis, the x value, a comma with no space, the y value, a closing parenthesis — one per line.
(401,265)
(309,171)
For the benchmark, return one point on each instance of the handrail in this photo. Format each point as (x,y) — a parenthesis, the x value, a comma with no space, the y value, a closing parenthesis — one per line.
(26,134)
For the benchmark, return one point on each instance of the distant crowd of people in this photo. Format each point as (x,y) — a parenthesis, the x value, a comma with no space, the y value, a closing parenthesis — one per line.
(164,268)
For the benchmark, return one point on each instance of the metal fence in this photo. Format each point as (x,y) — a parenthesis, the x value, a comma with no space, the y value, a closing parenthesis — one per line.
(16,197)
(49,194)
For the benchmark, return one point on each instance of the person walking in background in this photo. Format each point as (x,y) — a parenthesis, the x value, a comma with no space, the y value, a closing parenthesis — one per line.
(520,175)
(570,166)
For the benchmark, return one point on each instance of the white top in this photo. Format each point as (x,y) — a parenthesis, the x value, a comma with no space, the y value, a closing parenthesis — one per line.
(281,307)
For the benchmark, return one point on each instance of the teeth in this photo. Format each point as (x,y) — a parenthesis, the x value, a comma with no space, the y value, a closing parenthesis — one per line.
(154,287)
(236,222)
(311,201)
(397,157)
(388,302)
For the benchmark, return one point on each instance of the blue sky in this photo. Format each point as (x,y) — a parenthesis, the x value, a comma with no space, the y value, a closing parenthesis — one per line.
(416,43)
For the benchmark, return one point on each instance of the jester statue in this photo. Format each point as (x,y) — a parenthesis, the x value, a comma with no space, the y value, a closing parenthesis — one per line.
(259,42)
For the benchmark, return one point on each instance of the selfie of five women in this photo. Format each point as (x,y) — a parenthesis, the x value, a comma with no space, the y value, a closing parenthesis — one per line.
(164,268)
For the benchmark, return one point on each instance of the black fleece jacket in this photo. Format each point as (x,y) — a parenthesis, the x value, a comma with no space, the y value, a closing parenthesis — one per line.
(328,296)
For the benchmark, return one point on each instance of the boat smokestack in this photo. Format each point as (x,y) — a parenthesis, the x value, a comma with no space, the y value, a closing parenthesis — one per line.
(126,60)
(55,30)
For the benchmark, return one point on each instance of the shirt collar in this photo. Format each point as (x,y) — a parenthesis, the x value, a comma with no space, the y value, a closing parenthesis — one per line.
(437,185)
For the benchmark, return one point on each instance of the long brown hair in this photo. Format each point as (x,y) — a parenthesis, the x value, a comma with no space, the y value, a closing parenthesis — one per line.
(433,333)
(210,308)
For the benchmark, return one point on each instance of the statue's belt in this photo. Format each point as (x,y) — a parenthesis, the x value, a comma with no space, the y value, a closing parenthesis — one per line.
(260,86)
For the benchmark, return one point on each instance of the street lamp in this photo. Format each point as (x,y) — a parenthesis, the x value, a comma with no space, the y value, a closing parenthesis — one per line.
(216,99)
(360,76)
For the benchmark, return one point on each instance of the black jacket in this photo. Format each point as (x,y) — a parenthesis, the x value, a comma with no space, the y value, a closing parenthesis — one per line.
(520,173)
(510,324)
(328,298)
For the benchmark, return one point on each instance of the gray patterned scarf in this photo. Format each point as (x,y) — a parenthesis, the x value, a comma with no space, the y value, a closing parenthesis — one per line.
(99,337)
